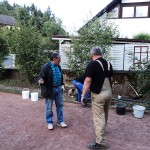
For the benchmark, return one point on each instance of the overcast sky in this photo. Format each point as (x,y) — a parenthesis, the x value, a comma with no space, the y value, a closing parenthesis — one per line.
(73,13)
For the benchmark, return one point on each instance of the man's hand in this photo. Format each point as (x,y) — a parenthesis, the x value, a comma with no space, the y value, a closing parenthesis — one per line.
(83,100)
(86,86)
(41,81)
(63,88)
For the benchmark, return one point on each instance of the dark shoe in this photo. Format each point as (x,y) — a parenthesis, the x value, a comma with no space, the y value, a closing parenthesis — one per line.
(94,146)
(87,105)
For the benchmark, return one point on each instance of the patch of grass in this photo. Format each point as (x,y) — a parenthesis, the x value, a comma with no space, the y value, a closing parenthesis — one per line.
(10,90)
(18,83)
(16,86)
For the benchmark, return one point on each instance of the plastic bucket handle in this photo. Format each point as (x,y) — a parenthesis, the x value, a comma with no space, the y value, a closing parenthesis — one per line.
(120,105)
(137,107)
(25,89)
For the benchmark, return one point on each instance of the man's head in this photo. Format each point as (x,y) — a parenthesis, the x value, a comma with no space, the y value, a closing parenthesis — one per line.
(55,58)
(96,52)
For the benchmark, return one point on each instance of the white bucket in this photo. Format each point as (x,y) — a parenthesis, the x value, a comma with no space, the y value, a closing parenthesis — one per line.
(138,111)
(25,93)
(34,96)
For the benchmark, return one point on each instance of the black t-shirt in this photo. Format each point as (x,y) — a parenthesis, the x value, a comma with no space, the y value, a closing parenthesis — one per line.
(95,71)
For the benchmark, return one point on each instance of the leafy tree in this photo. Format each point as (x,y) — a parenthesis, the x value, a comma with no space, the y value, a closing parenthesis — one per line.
(21,15)
(47,15)
(9,38)
(98,33)
(5,7)
(143,80)
(33,39)
(3,50)
(52,28)
(29,51)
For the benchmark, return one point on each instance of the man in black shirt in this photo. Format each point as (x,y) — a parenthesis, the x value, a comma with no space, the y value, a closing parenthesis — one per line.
(98,79)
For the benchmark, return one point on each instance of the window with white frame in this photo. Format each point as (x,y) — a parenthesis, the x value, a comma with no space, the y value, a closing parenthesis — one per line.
(140,54)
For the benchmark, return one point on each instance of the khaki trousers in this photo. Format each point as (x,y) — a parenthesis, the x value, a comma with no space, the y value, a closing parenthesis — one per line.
(100,108)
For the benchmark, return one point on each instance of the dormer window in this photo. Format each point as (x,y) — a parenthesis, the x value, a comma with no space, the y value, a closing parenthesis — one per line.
(137,11)
(134,10)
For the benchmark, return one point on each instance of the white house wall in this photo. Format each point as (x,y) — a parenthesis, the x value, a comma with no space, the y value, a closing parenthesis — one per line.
(134,1)
(121,55)
(116,53)
(130,27)
(64,60)
(128,59)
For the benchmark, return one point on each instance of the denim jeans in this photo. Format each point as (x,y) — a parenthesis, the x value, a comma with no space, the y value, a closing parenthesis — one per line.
(58,98)
(79,87)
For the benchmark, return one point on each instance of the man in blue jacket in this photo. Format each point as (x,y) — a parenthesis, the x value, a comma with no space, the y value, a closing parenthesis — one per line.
(51,81)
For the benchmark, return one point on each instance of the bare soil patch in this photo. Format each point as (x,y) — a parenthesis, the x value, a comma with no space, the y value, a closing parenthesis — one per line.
(22,127)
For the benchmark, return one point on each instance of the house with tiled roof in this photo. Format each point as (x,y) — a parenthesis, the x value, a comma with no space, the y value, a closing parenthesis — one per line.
(6,20)
(131,17)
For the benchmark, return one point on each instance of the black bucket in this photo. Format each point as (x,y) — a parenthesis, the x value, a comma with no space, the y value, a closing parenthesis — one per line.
(121,109)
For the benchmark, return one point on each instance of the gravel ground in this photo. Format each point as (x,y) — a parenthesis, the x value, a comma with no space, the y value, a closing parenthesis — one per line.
(22,127)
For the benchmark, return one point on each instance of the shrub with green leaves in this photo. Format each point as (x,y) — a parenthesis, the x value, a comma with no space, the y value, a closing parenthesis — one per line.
(97,33)
(142,36)
(143,75)
(143,80)
(29,51)
(3,50)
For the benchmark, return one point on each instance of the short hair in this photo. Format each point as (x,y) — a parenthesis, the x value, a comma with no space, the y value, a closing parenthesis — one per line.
(96,51)
(54,55)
